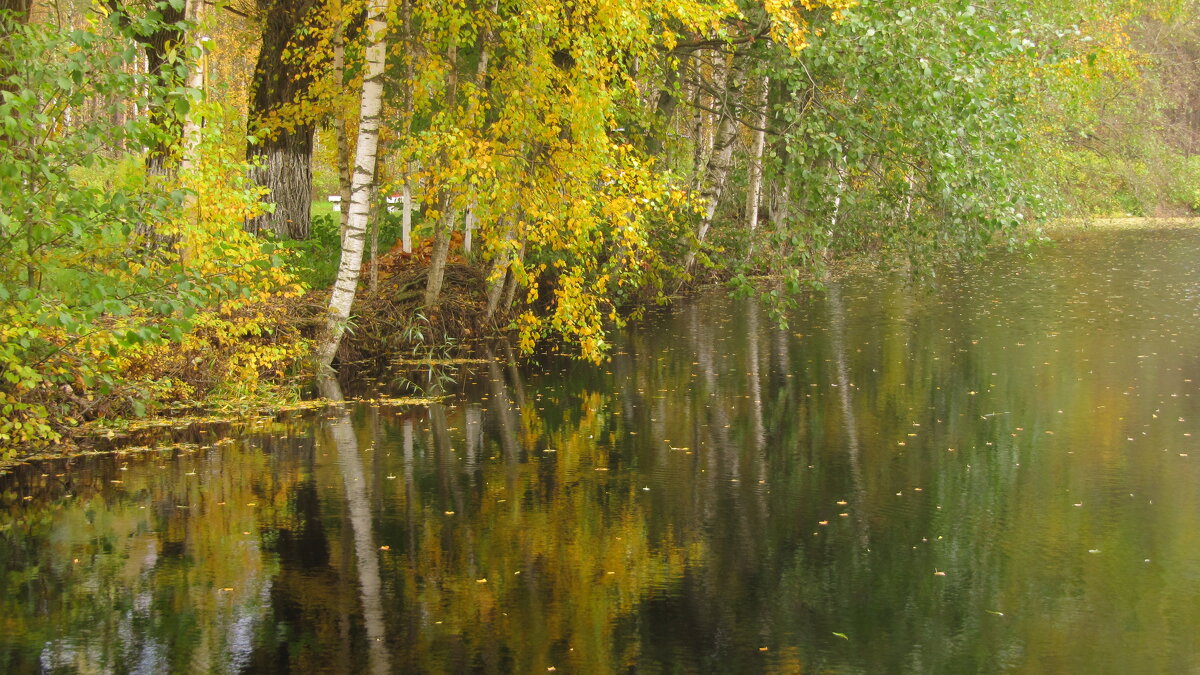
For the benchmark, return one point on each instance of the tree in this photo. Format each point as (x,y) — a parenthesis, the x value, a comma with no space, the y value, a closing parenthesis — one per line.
(19,9)
(362,187)
(279,121)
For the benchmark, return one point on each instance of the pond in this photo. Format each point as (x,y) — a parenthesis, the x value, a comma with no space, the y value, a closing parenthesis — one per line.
(1000,470)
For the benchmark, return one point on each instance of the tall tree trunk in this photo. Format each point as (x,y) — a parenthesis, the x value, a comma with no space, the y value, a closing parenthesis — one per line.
(701,132)
(826,250)
(441,250)
(717,170)
(469,228)
(157,45)
(373,221)
(189,152)
(908,197)
(754,191)
(406,128)
(286,172)
(19,14)
(406,213)
(194,12)
(342,140)
(370,110)
(285,154)
(667,101)
(448,214)
(485,45)
(500,273)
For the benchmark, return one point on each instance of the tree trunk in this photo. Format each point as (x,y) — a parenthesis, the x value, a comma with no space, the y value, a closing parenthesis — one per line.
(441,252)
(285,153)
(343,143)
(364,179)
(448,214)
(157,45)
(908,197)
(825,251)
(500,274)
(406,214)
(701,134)
(485,44)
(782,203)
(510,289)
(373,219)
(664,106)
(717,170)
(406,128)
(469,228)
(194,12)
(754,191)
(286,171)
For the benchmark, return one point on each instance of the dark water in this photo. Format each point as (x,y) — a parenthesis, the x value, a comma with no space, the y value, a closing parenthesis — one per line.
(1000,473)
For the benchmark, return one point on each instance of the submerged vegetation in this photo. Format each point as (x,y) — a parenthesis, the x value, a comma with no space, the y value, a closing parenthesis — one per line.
(550,168)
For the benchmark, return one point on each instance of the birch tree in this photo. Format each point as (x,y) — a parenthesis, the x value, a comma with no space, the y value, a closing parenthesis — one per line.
(360,192)
(194,13)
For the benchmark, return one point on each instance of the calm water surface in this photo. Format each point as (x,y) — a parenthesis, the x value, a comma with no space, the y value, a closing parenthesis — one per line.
(998,473)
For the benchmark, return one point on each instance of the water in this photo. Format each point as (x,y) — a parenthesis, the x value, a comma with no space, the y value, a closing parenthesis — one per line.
(997,473)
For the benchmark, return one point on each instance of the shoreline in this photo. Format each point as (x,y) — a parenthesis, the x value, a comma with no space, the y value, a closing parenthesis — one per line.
(84,440)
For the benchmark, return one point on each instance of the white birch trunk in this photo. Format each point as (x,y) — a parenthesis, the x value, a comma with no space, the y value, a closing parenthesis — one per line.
(717,170)
(833,220)
(364,179)
(908,198)
(409,75)
(193,12)
(754,192)
(406,214)
(469,228)
(343,143)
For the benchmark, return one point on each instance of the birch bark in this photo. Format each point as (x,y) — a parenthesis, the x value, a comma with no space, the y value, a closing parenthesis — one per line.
(754,193)
(193,12)
(360,193)
(345,178)
(718,165)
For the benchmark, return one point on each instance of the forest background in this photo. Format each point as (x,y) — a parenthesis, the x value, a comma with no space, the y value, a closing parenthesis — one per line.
(545,168)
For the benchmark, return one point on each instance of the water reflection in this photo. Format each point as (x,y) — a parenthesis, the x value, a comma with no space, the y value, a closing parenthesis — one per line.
(995,473)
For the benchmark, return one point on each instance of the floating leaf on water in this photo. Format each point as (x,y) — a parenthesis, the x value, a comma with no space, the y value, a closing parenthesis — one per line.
(841,635)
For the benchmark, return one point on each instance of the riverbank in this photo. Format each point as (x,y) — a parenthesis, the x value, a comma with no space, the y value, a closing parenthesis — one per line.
(391,333)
